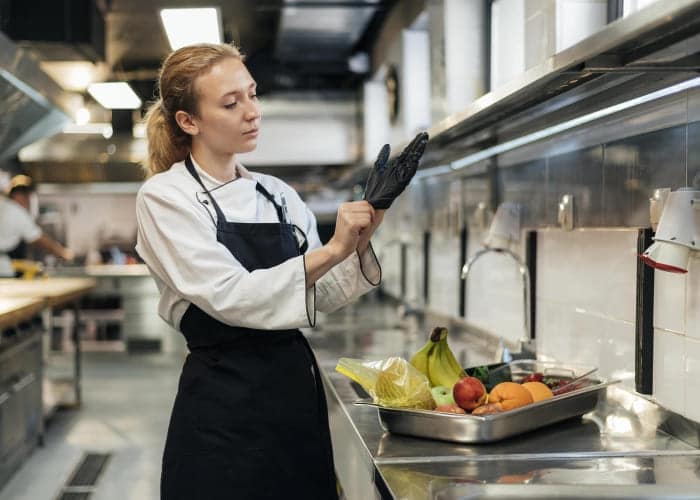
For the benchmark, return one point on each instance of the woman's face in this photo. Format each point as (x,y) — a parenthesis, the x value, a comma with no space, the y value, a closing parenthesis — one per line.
(228,116)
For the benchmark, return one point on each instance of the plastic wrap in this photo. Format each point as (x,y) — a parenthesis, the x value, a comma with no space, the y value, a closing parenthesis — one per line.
(392,382)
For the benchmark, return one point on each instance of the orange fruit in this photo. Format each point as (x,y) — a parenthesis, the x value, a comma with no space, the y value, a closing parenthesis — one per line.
(510,395)
(538,390)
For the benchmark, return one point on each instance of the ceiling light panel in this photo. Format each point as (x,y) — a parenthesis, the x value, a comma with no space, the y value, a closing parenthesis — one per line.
(189,26)
(114,95)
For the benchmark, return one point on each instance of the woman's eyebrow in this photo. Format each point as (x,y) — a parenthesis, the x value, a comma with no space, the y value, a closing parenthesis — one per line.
(238,92)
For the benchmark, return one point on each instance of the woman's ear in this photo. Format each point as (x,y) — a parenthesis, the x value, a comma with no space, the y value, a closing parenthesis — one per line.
(186,122)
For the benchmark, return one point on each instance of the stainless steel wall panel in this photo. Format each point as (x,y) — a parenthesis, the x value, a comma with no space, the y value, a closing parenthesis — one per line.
(693,171)
(579,173)
(634,167)
(524,184)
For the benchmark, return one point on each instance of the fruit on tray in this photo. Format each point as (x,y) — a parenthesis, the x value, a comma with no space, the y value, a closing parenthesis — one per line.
(469,393)
(538,390)
(437,361)
(534,377)
(510,395)
(442,395)
(450,408)
(488,409)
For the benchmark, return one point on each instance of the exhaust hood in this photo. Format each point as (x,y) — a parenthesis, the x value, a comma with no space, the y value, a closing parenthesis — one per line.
(33,106)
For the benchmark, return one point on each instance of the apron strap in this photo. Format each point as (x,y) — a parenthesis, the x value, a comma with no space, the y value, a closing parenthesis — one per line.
(280,211)
(220,218)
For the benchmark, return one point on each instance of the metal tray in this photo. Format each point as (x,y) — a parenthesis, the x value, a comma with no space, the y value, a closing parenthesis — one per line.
(489,428)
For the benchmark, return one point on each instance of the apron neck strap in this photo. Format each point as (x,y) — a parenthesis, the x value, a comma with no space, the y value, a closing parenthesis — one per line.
(271,199)
(219,214)
(193,171)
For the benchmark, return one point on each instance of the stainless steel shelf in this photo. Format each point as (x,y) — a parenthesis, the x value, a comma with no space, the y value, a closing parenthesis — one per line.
(649,50)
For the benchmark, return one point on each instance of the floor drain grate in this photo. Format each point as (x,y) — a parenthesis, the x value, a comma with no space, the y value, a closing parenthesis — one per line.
(82,482)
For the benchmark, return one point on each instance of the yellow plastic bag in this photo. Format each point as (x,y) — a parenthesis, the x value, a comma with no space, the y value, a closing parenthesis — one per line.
(392,382)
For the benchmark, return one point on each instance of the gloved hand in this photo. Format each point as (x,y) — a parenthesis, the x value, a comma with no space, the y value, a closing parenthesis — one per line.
(387,181)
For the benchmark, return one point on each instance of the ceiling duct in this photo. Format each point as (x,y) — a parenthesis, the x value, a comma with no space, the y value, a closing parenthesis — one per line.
(322,31)
(33,106)
(59,30)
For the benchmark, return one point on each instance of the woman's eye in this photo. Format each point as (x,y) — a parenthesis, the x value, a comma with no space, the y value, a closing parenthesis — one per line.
(230,106)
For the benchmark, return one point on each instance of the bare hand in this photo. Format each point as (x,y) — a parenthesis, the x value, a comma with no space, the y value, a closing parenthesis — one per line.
(366,234)
(353,219)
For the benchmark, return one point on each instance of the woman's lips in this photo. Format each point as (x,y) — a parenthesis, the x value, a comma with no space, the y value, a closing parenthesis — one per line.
(251,133)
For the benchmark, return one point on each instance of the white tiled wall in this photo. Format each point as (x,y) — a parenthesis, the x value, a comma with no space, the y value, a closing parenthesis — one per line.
(669,301)
(494,299)
(669,364)
(692,299)
(677,340)
(443,289)
(586,290)
(692,379)
(93,218)
(586,285)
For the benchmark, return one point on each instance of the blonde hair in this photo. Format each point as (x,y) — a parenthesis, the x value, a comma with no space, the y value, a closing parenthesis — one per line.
(167,142)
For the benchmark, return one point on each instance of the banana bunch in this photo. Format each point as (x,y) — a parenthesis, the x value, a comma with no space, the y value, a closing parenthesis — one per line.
(436,360)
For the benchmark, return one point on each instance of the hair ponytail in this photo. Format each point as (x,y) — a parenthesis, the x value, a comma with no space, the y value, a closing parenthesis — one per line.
(167,142)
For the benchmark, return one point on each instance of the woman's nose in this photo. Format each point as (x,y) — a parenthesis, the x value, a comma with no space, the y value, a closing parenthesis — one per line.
(252,111)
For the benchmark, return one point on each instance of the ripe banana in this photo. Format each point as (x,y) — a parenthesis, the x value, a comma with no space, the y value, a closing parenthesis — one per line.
(440,372)
(452,361)
(436,360)
(420,359)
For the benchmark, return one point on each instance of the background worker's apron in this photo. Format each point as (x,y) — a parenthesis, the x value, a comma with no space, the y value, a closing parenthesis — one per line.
(250,417)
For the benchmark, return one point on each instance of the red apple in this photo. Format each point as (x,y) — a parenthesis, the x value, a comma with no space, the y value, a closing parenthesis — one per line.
(450,408)
(469,393)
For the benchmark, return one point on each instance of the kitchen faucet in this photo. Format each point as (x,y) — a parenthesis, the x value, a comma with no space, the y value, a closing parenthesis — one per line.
(526,342)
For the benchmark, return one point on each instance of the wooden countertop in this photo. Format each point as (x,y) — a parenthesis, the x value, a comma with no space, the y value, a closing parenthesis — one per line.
(56,291)
(16,310)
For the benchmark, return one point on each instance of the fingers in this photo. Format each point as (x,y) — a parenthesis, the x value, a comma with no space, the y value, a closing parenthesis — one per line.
(382,157)
(357,208)
(419,145)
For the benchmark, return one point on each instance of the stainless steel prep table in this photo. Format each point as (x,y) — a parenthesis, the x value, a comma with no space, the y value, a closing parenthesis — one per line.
(56,292)
(617,451)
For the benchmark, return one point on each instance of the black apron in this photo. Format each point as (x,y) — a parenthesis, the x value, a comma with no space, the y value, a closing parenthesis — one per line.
(250,419)
(18,252)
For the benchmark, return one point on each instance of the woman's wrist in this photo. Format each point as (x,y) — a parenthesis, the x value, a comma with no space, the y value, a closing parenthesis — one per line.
(362,248)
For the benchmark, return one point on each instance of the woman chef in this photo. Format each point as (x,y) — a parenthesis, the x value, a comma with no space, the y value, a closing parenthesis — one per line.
(240,267)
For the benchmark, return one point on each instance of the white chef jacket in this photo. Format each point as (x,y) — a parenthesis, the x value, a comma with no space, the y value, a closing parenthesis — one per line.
(177,241)
(16,225)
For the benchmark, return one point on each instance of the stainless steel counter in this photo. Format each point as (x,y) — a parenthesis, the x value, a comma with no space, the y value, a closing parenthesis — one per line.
(608,453)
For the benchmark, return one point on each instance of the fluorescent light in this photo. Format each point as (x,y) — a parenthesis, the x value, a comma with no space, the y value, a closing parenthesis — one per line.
(82,116)
(139,130)
(189,26)
(114,95)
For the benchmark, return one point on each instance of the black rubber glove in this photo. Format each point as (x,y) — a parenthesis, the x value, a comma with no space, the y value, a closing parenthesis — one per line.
(387,180)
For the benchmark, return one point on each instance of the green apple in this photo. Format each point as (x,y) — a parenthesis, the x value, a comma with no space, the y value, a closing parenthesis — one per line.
(442,395)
